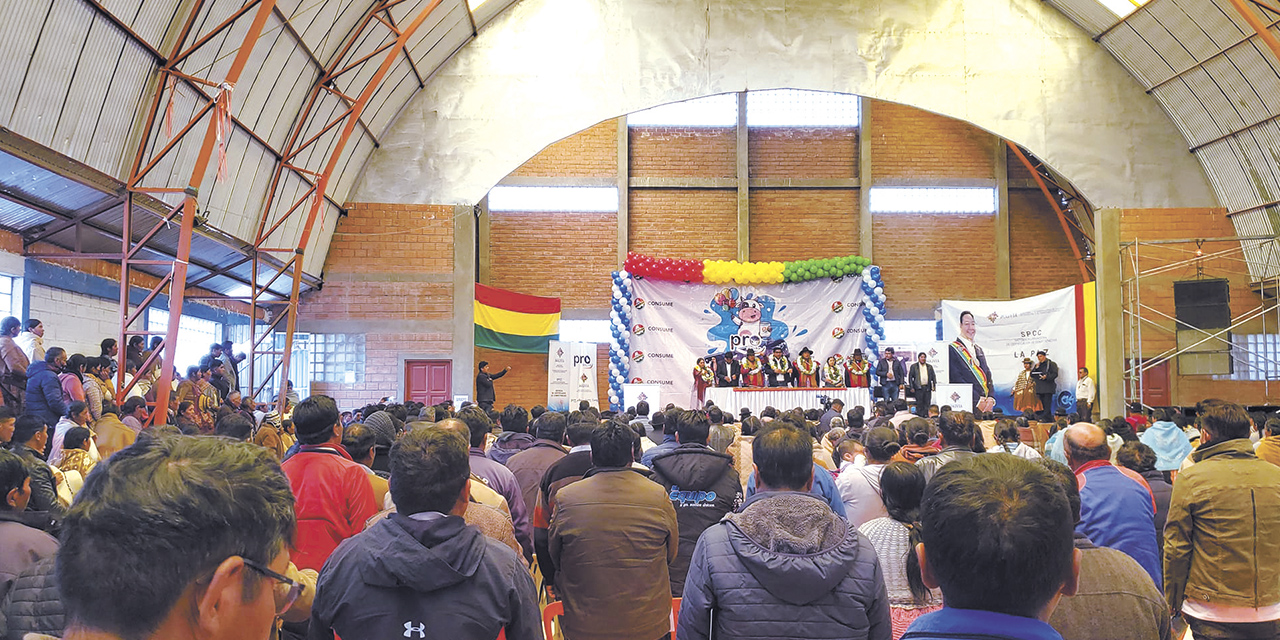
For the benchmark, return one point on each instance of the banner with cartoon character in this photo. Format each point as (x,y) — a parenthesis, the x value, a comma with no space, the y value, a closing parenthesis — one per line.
(675,323)
(1010,330)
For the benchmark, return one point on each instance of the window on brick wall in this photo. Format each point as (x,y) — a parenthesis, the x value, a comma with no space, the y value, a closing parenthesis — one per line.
(300,367)
(933,200)
(557,199)
(337,357)
(194,336)
(596,331)
(797,108)
(1256,356)
(712,111)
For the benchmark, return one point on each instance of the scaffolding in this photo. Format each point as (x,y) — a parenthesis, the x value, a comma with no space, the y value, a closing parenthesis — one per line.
(1148,258)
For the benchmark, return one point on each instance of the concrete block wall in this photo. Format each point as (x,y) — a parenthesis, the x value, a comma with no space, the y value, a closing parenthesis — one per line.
(74,321)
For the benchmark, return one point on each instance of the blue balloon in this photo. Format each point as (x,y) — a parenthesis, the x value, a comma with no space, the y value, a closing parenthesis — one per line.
(875,271)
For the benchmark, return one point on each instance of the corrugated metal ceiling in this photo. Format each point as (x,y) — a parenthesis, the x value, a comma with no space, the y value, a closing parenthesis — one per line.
(80,75)
(1219,83)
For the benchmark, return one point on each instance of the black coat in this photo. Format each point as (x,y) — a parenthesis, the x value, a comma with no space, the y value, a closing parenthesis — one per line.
(484,385)
(911,377)
(703,486)
(899,371)
(726,372)
(1046,376)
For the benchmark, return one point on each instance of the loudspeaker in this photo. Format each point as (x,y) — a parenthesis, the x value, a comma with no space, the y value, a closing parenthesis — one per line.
(1211,357)
(1202,304)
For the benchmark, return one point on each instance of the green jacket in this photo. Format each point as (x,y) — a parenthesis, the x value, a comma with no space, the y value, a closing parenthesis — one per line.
(1222,538)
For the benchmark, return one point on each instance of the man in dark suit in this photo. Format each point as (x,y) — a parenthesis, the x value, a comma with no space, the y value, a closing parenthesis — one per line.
(922,382)
(891,374)
(967,364)
(1045,375)
(726,371)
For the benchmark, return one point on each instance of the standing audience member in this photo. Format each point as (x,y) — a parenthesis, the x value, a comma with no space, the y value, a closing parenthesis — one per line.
(563,472)
(13,377)
(24,540)
(702,485)
(423,570)
(269,436)
(611,538)
(784,565)
(125,573)
(1139,458)
(528,466)
(1115,598)
(515,435)
(218,378)
(860,485)
(996,538)
(1222,541)
(229,364)
(895,536)
(496,476)
(358,440)
(72,380)
(1168,441)
(1117,509)
(333,496)
(29,441)
(31,340)
(44,391)
(112,434)
(1086,392)
(955,435)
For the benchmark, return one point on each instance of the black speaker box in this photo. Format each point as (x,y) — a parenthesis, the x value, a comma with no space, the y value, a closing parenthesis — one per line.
(1202,304)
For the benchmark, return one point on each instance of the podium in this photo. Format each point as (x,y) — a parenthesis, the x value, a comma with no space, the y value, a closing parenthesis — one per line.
(638,392)
(959,396)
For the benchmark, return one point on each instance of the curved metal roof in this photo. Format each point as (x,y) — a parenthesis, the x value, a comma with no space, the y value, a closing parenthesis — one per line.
(79,76)
(1213,74)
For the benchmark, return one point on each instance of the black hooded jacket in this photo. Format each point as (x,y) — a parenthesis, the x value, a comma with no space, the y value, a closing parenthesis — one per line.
(703,486)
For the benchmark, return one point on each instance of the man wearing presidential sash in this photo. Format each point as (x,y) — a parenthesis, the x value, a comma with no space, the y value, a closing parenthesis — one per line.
(968,364)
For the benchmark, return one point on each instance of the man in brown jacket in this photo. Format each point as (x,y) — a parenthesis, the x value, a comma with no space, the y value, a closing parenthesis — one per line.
(1222,538)
(611,537)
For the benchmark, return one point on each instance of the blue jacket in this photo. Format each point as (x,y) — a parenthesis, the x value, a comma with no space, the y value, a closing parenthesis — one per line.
(1170,444)
(824,486)
(44,393)
(401,574)
(742,587)
(1118,511)
(959,624)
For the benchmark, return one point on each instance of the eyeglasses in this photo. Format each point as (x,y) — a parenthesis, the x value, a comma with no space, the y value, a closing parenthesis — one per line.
(286,590)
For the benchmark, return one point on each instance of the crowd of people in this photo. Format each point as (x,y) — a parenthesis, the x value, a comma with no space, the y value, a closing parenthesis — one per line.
(222,520)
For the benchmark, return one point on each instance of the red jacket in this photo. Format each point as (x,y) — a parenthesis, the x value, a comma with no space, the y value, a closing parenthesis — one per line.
(333,501)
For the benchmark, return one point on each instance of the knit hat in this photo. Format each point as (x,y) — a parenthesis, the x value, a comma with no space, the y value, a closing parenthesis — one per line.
(383,427)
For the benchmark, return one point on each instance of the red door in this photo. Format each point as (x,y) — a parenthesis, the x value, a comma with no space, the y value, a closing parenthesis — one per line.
(428,381)
(1155,385)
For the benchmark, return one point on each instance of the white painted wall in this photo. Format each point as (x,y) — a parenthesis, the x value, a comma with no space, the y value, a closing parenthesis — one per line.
(74,321)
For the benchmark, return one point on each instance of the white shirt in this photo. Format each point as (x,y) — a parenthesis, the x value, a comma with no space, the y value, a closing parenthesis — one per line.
(923,374)
(1085,389)
(860,491)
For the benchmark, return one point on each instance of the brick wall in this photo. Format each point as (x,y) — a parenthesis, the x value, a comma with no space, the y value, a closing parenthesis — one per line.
(1040,257)
(564,255)
(526,383)
(911,144)
(809,152)
(387,262)
(925,258)
(693,224)
(1157,292)
(683,152)
(591,152)
(800,224)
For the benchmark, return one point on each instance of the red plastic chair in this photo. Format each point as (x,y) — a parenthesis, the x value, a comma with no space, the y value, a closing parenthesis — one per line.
(553,611)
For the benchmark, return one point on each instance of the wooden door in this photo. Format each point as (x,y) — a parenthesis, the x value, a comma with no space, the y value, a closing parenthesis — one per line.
(428,381)
(1155,385)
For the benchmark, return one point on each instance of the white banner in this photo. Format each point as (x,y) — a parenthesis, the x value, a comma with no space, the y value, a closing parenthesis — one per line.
(675,323)
(583,380)
(1010,330)
(559,374)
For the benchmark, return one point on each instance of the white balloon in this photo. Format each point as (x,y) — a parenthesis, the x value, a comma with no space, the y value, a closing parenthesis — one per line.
(625,360)
(626,334)
(613,399)
(879,291)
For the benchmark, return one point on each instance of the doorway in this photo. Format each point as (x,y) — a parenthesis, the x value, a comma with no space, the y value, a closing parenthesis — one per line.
(428,381)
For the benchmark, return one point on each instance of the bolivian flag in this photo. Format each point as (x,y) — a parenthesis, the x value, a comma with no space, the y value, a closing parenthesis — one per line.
(510,321)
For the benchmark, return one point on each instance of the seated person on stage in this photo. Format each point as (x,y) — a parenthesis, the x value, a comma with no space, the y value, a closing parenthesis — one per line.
(752,370)
(859,371)
(779,369)
(832,373)
(806,370)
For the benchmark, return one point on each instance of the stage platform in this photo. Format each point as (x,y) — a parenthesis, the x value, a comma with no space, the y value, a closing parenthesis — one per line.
(732,399)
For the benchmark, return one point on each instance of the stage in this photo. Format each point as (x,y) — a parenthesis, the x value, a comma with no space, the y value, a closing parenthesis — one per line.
(732,399)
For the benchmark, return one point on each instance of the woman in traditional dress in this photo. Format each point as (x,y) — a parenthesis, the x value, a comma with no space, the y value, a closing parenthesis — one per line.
(859,371)
(1024,391)
(704,375)
(833,373)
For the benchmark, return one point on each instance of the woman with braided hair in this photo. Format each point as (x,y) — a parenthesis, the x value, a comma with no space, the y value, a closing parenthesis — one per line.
(895,539)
